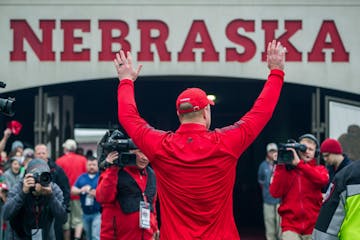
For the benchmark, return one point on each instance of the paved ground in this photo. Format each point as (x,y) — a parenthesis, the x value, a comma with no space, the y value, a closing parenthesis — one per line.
(251,234)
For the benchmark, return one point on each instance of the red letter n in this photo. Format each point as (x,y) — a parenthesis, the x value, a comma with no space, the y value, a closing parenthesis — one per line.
(42,49)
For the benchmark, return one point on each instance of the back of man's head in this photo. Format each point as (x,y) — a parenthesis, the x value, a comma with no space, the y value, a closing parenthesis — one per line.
(70,145)
(192,100)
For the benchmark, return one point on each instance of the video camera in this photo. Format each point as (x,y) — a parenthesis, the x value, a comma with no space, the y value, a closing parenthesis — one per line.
(7,105)
(116,141)
(44,178)
(287,156)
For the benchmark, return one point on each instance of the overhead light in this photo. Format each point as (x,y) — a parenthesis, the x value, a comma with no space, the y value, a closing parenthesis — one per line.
(211,97)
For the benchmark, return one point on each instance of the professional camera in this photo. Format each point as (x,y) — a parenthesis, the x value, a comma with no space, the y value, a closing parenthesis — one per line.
(116,141)
(6,105)
(287,156)
(44,178)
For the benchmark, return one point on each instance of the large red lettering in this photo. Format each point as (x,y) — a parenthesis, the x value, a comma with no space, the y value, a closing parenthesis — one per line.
(146,40)
(107,39)
(42,49)
(70,40)
(328,28)
(209,54)
(233,35)
(291,27)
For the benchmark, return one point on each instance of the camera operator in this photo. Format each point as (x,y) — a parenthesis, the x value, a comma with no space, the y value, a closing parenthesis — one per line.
(127,196)
(34,203)
(299,185)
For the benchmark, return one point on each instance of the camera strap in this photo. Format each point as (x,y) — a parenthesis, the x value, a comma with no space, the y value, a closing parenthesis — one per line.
(37,209)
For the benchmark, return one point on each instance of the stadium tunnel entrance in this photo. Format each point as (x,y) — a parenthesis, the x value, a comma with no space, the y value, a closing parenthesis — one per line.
(95,105)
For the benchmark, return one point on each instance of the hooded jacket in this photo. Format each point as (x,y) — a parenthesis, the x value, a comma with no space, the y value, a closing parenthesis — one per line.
(26,211)
(300,193)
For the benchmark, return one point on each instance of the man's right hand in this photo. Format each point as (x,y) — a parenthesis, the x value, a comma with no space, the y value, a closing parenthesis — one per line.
(7,133)
(275,55)
(296,159)
(111,157)
(29,182)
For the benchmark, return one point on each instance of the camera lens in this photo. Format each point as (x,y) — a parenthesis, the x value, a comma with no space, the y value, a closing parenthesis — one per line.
(45,179)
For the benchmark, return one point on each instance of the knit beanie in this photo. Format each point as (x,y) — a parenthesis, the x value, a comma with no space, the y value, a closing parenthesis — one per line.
(16,144)
(37,166)
(331,145)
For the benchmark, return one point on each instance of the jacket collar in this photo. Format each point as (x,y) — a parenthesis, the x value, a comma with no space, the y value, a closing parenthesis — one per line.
(191,127)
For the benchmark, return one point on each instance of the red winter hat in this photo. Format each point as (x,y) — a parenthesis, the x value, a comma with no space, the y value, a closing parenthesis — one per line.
(331,145)
(196,97)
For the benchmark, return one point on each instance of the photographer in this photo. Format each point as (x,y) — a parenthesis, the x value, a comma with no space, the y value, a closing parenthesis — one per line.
(34,203)
(127,195)
(298,184)
(59,177)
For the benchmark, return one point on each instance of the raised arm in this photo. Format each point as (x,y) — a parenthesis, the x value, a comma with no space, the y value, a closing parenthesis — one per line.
(243,132)
(3,141)
(136,127)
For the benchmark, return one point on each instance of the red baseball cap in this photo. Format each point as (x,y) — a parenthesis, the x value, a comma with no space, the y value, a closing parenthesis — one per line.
(196,97)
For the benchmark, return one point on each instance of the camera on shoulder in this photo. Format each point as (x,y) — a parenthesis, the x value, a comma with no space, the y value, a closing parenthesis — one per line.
(115,140)
(6,105)
(286,156)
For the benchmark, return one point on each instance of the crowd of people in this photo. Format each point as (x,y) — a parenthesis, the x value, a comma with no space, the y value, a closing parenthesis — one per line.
(190,172)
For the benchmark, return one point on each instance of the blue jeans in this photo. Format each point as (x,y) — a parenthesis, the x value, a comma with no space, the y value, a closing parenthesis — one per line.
(91,223)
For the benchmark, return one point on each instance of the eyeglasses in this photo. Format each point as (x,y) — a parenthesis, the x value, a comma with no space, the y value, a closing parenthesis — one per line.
(325,155)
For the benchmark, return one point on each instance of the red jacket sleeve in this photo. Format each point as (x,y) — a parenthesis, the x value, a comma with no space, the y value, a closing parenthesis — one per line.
(240,135)
(106,189)
(280,181)
(143,135)
(317,174)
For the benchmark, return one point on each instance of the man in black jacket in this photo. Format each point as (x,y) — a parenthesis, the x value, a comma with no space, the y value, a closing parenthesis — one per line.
(333,155)
(34,203)
(59,177)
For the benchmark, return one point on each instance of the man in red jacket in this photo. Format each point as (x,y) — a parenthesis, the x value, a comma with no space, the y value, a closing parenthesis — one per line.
(73,165)
(299,187)
(122,192)
(195,167)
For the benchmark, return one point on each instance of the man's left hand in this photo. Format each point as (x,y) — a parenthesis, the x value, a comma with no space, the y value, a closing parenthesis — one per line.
(124,66)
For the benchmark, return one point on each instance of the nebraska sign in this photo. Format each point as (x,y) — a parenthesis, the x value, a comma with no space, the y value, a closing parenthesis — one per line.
(47,46)
(44,49)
